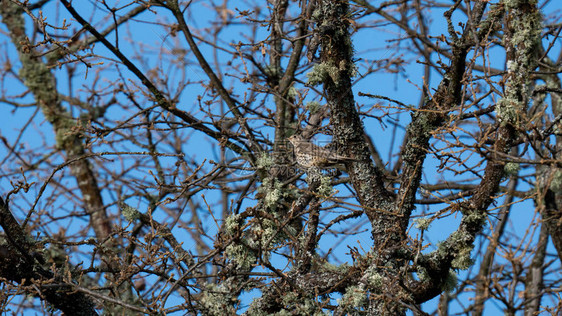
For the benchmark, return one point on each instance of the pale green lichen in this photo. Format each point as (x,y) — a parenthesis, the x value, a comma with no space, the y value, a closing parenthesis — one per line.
(376,281)
(299,305)
(313,107)
(217,300)
(339,268)
(38,79)
(321,72)
(325,188)
(422,274)
(268,235)
(292,93)
(317,14)
(525,24)
(293,304)
(273,196)
(130,213)
(273,192)
(354,70)
(289,298)
(462,259)
(354,296)
(264,161)
(422,223)
(511,169)
(314,175)
(233,223)
(348,67)
(556,183)
(65,131)
(460,245)
(507,111)
(241,255)
(511,65)
(271,189)
(473,218)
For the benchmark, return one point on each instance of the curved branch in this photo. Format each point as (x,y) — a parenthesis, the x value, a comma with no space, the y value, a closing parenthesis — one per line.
(19,263)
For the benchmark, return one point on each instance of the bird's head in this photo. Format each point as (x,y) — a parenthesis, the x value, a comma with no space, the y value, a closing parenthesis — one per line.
(295,139)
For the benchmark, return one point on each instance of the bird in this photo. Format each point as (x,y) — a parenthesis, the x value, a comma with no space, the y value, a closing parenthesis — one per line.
(309,155)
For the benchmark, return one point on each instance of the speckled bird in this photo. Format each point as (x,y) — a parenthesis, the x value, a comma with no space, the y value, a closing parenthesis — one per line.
(309,155)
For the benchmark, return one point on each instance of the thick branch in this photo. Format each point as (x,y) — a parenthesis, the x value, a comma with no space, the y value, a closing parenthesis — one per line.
(19,263)
(521,51)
